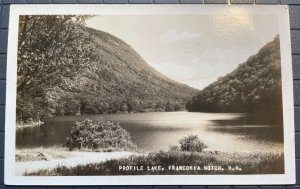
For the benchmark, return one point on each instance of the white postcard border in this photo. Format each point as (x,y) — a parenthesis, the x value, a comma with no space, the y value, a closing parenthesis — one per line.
(262,179)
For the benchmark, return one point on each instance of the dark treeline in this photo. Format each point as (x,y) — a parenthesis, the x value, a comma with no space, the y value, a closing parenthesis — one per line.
(65,68)
(254,86)
(75,104)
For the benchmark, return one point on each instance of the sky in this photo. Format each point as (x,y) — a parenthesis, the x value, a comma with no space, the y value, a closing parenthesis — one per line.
(192,49)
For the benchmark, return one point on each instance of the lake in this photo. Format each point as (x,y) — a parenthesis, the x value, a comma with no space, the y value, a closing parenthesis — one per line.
(155,131)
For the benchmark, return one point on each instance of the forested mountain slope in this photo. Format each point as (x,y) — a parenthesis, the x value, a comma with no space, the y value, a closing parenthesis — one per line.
(66,68)
(254,86)
(117,80)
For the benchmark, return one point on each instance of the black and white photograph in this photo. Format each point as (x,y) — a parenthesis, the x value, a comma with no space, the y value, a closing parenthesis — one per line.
(175,92)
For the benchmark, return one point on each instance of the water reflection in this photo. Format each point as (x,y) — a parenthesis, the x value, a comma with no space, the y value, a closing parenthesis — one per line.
(250,127)
(156,131)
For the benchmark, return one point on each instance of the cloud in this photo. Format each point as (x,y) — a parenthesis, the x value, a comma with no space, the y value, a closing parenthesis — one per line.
(172,36)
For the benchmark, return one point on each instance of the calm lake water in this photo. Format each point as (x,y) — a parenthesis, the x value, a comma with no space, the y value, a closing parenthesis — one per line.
(156,131)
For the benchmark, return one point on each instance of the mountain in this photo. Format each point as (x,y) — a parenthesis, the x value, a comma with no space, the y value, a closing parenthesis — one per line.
(254,86)
(118,80)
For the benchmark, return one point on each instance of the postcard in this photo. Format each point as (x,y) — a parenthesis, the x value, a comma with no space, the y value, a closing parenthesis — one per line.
(149,95)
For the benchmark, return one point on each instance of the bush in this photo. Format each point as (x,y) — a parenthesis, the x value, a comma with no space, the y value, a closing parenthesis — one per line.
(99,135)
(192,143)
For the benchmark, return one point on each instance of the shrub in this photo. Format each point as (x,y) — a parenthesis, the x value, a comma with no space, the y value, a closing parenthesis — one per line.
(99,135)
(192,143)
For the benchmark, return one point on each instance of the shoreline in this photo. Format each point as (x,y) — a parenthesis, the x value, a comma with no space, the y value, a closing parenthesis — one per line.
(101,163)
(75,158)
(39,123)
(32,125)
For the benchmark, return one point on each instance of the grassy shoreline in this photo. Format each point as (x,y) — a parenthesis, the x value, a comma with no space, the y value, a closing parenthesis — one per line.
(31,154)
(56,152)
(242,163)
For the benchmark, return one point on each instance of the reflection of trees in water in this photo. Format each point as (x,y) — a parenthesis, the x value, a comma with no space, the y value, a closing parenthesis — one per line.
(48,134)
(151,133)
(254,127)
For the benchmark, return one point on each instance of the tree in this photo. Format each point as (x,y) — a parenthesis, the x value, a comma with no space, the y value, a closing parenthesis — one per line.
(177,107)
(169,107)
(50,49)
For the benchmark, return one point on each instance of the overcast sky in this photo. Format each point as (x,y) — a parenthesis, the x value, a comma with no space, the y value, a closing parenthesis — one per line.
(192,49)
